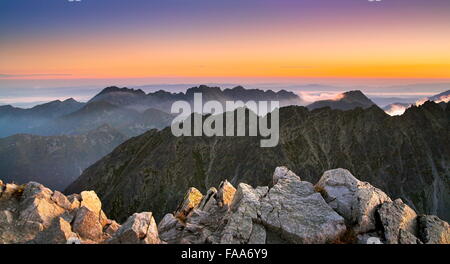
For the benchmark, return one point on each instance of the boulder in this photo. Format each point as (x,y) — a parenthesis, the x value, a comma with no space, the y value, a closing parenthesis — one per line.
(432,230)
(298,214)
(396,216)
(354,200)
(243,211)
(37,205)
(138,229)
(87,224)
(90,200)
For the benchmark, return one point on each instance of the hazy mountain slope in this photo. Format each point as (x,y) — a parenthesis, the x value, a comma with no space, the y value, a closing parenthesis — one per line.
(15,120)
(407,156)
(54,160)
(128,121)
(345,101)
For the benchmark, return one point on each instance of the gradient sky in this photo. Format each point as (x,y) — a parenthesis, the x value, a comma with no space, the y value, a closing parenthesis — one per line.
(58,39)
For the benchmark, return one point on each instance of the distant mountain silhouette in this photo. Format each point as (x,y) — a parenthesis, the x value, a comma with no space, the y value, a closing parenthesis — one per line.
(15,120)
(346,101)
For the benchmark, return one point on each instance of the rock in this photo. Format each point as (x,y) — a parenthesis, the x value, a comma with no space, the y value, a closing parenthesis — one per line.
(111,228)
(432,230)
(75,201)
(396,216)
(59,232)
(191,200)
(87,224)
(405,237)
(258,235)
(356,201)
(208,200)
(244,209)
(282,173)
(170,229)
(36,190)
(226,193)
(300,215)
(138,229)
(38,207)
(61,200)
(90,200)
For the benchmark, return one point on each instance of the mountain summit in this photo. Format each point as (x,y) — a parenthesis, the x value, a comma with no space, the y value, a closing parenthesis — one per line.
(345,101)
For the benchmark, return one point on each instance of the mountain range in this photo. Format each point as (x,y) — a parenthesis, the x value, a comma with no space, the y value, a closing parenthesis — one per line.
(407,156)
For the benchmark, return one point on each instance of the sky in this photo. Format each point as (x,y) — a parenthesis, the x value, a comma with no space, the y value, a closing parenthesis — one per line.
(94,42)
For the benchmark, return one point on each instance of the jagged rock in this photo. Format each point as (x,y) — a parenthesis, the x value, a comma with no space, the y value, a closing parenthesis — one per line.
(138,229)
(226,193)
(37,205)
(191,200)
(87,224)
(396,216)
(208,200)
(356,201)
(433,230)
(90,200)
(300,215)
(59,232)
(283,173)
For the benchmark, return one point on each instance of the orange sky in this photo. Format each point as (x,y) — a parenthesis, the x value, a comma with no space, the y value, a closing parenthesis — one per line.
(347,47)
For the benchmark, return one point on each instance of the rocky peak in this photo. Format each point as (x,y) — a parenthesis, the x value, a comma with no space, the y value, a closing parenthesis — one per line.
(338,209)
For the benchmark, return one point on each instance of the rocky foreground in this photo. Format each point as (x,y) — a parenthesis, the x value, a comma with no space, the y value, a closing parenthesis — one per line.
(338,209)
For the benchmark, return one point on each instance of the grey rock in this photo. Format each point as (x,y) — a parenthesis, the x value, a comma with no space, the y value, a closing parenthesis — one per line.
(396,216)
(283,173)
(299,214)
(356,201)
(138,229)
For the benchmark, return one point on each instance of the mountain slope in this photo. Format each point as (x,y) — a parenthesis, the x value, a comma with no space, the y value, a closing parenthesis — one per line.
(345,101)
(17,120)
(54,160)
(407,156)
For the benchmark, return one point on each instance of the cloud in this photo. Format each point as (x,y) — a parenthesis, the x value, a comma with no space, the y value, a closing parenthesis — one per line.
(313,96)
